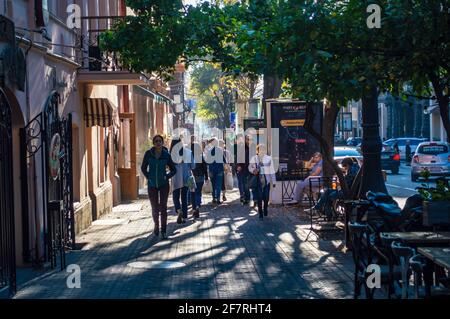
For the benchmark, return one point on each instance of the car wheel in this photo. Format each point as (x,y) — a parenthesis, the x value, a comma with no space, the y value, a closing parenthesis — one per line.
(414,178)
(395,170)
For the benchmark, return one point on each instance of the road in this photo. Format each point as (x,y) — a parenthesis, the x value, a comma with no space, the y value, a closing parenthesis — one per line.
(400,185)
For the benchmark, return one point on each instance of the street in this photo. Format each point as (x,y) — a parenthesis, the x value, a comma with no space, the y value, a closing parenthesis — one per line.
(227,253)
(400,185)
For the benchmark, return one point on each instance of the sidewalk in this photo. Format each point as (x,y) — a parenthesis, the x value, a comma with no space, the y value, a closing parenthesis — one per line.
(227,253)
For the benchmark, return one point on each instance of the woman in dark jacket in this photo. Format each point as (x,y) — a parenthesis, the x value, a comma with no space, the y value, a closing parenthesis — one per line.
(154,167)
(201,176)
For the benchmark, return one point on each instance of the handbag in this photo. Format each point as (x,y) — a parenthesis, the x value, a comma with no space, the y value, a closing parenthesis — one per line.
(190,183)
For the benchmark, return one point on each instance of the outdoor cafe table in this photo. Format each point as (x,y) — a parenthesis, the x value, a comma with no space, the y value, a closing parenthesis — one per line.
(421,239)
(439,256)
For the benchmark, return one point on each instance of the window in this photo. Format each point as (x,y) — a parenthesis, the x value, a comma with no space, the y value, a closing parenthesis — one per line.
(433,149)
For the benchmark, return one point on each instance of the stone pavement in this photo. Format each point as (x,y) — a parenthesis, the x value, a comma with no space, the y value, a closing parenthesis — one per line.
(227,253)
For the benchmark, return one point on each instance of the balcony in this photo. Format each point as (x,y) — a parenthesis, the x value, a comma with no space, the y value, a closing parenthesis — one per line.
(100,67)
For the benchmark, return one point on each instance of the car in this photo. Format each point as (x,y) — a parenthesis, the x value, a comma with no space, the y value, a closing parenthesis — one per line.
(354,141)
(390,159)
(433,157)
(401,142)
(341,152)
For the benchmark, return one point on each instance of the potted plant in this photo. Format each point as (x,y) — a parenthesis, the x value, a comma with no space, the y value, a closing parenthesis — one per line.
(436,202)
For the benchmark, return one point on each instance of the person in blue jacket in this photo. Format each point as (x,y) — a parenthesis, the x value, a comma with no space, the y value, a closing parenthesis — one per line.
(154,166)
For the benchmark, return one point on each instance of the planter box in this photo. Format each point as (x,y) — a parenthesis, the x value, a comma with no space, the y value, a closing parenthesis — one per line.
(436,213)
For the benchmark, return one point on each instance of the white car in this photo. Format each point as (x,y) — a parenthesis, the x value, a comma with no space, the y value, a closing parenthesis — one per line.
(433,157)
(342,152)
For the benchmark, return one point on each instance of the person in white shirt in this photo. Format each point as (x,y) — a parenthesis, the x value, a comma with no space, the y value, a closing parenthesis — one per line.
(263,175)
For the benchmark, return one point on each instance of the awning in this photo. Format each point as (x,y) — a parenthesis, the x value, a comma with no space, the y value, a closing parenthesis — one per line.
(100,112)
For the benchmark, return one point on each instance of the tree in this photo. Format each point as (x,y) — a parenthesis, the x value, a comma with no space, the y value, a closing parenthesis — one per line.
(420,30)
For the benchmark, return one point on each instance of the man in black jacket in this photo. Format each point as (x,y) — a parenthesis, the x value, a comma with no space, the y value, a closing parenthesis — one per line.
(200,173)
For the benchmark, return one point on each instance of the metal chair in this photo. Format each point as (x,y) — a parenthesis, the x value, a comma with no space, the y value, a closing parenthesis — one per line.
(403,253)
(418,265)
(362,257)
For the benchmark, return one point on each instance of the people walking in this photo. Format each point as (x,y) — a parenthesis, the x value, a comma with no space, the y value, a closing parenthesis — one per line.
(184,161)
(242,171)
(154,167)
(215,158)
(408,153)
(263,175)
(226,168)
(200,173)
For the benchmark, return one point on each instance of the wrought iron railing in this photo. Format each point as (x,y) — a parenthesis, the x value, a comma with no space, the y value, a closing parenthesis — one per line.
(93,58)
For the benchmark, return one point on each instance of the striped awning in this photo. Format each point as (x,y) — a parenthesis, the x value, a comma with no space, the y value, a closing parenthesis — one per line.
(99,112)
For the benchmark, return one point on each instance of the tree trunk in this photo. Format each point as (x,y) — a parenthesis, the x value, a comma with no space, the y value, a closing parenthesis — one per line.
(328,129)
(372,176)
(443,102)
(272,89)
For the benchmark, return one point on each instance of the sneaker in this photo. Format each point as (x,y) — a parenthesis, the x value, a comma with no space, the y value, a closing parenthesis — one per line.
(180,217)
(224,198)
(197,213)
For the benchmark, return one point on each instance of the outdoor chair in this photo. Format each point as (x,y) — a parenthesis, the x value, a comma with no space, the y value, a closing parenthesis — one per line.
(364,254)
(418,266)
(317,185)
(403,253)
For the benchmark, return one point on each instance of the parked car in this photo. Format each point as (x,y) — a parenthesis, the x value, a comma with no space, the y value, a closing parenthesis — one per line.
(401,142)
(433,157)
(354,141)
(390,159)
(341,152)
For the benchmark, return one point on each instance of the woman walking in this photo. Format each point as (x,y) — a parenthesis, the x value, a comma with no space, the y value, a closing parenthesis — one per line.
(154,167)
(184,161)
(262,168)
(201,176)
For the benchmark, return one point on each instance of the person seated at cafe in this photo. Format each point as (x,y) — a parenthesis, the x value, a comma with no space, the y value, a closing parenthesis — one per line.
(316,164)
(350,170)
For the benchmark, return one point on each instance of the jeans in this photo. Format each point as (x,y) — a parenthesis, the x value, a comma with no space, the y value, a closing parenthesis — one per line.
(326,199)
(196,197)
(261,196)
(183,192)
(301,185)
(243,186)
(158,200)
(216,181)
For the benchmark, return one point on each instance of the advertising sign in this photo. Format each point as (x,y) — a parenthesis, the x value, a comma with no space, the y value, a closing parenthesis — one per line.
(296,145)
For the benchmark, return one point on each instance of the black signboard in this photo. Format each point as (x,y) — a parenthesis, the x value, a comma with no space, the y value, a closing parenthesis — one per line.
(295,144)
(254,123)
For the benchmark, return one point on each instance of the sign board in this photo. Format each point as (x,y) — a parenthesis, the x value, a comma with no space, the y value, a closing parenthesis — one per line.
(345,122)
(257,124)
(54,156)
(232,117)
(295,144)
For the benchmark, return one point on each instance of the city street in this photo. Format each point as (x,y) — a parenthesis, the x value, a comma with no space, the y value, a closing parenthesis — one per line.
(227,253)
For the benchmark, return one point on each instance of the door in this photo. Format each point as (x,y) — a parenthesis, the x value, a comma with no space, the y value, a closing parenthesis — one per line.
(129,179)
(7,236)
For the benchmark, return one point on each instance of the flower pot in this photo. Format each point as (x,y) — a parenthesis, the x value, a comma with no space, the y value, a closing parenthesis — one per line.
(436,213)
